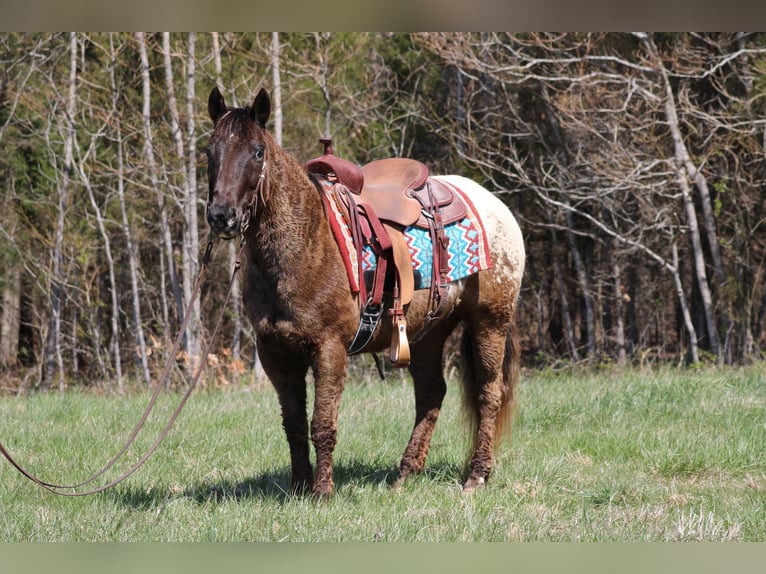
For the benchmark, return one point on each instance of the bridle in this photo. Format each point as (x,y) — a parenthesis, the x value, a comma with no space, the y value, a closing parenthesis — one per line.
(252,206)
(61,489)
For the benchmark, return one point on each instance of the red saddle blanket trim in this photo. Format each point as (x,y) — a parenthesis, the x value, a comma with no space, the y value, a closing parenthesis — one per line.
(341,232)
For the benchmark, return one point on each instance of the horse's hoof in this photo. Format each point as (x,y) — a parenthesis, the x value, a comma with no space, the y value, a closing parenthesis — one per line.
(323,491)
(301,487)
(473,483)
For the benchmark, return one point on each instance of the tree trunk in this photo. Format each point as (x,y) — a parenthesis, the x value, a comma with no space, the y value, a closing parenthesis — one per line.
(92,316)
(189,235)
(143,360)
(321,78)
(693,348)
(190,203)
(53,356)
(619,325)
(165,237)
(277,87)
(11,317)
(699,264)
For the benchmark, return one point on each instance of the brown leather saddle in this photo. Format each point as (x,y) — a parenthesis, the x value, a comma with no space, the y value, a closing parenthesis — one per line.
(400,189)
(380,200)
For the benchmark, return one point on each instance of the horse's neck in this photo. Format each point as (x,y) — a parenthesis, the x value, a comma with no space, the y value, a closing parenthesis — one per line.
(289,217)
(294,277)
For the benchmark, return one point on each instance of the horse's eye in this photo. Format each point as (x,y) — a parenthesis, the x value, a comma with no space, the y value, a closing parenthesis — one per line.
(258,153)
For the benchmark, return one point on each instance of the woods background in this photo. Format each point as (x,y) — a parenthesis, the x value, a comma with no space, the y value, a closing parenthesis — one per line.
(634,162)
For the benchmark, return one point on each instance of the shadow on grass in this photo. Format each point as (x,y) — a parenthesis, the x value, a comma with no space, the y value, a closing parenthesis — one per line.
(273,485)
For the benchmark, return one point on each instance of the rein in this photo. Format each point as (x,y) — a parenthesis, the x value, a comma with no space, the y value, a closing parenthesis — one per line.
(247,215)
(57,488)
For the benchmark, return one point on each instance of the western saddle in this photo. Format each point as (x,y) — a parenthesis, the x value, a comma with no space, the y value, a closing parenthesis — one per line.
(379,201)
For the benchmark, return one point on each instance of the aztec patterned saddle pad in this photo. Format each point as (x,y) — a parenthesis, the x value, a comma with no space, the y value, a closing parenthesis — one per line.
(468,248)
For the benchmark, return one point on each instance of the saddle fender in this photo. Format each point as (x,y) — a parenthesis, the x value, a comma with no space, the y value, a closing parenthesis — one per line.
(403,263)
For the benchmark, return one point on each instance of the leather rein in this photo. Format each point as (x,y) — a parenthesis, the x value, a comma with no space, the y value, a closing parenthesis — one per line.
(61,489)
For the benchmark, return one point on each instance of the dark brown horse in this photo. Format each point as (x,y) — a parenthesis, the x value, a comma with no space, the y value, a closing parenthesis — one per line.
(297,296)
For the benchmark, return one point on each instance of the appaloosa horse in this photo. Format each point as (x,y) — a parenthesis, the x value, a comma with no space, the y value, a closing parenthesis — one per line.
(297,296)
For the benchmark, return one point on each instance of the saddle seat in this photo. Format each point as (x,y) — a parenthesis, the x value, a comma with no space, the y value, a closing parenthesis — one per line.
(398,190)
(387,187)
(395,188)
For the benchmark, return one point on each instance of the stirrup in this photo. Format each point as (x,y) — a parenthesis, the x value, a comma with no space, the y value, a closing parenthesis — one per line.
(399,352)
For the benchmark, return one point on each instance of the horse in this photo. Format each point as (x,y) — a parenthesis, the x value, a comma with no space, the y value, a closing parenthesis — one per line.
(297,296)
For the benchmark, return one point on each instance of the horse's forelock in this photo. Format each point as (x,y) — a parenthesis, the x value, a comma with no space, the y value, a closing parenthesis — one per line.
(235,122)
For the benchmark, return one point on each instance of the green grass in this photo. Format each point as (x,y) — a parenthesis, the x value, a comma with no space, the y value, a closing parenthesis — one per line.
(670,455)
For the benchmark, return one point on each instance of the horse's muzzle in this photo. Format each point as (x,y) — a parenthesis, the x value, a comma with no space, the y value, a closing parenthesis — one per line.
(223,221)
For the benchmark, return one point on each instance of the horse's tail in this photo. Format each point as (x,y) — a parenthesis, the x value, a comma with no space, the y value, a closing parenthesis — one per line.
(472,390)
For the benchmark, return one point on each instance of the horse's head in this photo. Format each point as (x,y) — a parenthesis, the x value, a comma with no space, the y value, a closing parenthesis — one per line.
(236,160)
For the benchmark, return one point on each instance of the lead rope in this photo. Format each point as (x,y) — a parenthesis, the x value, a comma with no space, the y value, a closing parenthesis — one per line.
(57,488)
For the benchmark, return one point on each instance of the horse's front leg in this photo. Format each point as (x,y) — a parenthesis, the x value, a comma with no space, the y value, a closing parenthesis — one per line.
(329,380)
(287,373)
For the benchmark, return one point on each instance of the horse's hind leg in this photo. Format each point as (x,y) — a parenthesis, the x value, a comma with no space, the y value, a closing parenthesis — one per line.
(488,392)
(430,388)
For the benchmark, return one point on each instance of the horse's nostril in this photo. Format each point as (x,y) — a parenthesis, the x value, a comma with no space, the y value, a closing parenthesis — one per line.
(218,217)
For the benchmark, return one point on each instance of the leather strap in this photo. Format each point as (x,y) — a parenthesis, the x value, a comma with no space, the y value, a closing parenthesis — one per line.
(437,295)
(380,242)
(57,488)
(260,192)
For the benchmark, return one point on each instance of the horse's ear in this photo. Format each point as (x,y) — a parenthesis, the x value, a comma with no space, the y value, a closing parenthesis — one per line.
(216,105)
(261,108)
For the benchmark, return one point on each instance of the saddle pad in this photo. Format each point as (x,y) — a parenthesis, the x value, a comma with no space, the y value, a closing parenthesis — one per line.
(468,247)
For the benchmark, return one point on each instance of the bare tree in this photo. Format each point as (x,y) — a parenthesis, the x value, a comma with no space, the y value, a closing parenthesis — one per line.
(276,80)
(190,236)
(686,170)
(53,355)
(81,161)
(160,193)
(10,319)
(138,326)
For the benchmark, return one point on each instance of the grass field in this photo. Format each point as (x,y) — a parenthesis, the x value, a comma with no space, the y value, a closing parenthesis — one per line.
(670,455)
